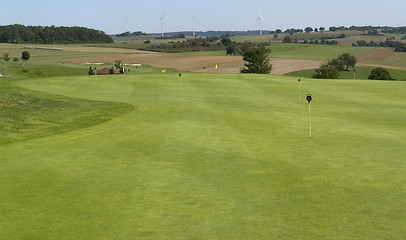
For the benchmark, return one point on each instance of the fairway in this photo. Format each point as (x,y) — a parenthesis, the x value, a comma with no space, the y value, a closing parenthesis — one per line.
(220,157)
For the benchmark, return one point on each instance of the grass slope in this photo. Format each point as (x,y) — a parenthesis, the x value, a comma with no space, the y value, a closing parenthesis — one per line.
(223,158)
(26,114)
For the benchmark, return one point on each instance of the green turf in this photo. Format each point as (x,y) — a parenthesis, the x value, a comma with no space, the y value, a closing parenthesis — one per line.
(361,73)
(223,158)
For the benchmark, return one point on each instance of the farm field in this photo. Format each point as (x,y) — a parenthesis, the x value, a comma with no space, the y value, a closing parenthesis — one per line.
(224,156)
(284,57)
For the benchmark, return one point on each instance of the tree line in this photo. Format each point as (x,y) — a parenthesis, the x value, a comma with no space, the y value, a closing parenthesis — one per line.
(51,35)
(397,46)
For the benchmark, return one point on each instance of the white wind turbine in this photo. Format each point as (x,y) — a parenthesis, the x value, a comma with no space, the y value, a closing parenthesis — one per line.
(194,26)
(162,25)
(126,23)
(260,23)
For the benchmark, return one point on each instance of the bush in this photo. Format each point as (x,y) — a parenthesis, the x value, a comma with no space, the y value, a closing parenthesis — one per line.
(15,59)
(6,57)
(287,39)
(25,56)
(326,71)
(401,48)
(380,74)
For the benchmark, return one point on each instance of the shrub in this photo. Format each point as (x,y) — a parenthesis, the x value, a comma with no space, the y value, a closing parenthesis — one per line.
(287,39)
(380,74)
(326,71)
(6,57)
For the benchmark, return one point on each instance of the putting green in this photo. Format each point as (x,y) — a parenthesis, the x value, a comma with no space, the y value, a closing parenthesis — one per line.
(223,158)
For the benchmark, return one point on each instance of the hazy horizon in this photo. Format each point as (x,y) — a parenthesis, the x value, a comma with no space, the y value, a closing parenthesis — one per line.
(210,15)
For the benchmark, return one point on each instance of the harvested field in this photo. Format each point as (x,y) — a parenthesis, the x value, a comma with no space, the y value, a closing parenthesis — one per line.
(196,63)
(282,66)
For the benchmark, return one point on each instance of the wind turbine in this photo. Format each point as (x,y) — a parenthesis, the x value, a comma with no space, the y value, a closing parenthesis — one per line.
(194,26)
(126,23)
(162,25)
(260,23)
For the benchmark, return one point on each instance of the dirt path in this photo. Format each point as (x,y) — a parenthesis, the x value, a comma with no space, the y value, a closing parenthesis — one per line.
(382,66)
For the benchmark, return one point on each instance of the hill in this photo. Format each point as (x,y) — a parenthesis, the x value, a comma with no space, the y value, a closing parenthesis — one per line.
(47,35)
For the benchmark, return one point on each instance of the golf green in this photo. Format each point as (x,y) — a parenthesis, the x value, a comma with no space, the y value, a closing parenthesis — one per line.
(225,157)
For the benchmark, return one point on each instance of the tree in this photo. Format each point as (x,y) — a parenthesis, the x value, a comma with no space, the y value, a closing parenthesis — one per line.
(322,29)
(278,31)
(308,29)
(226,41)
(25,56)
(337,63)
(348,60)
(380,74)
(326,71)
(343,62)
(256,60)
(231,50)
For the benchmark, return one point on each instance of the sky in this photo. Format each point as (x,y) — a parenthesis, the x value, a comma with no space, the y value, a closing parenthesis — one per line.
(228,15)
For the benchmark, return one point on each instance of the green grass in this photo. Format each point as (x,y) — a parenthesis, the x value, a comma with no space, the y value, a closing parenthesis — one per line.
(26,114)
(313,51)
(361,73)
(224,158)
(69,51)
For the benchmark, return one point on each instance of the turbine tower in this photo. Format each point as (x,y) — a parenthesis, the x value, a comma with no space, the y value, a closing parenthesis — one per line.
(194,26)
(162,25)
(260,23)
(126,23)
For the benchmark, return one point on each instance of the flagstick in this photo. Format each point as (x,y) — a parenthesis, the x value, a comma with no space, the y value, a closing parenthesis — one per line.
(300,90)
(354,78)
(310,122)
(180,81)
(309,99)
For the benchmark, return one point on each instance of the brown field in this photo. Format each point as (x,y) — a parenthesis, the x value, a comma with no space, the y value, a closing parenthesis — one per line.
(196,63)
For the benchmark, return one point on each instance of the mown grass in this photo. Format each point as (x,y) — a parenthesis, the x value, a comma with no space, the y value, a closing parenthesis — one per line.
(226,157)
(361,73)
(26,114)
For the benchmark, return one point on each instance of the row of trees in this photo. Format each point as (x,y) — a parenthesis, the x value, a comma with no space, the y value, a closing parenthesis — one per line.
(397,46)
(38,34)
(289,39)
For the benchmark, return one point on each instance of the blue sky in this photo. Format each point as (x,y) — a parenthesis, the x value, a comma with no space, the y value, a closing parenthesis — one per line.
(108,16)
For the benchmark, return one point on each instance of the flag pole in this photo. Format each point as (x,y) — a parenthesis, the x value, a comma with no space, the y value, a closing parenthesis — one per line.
(309,99)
